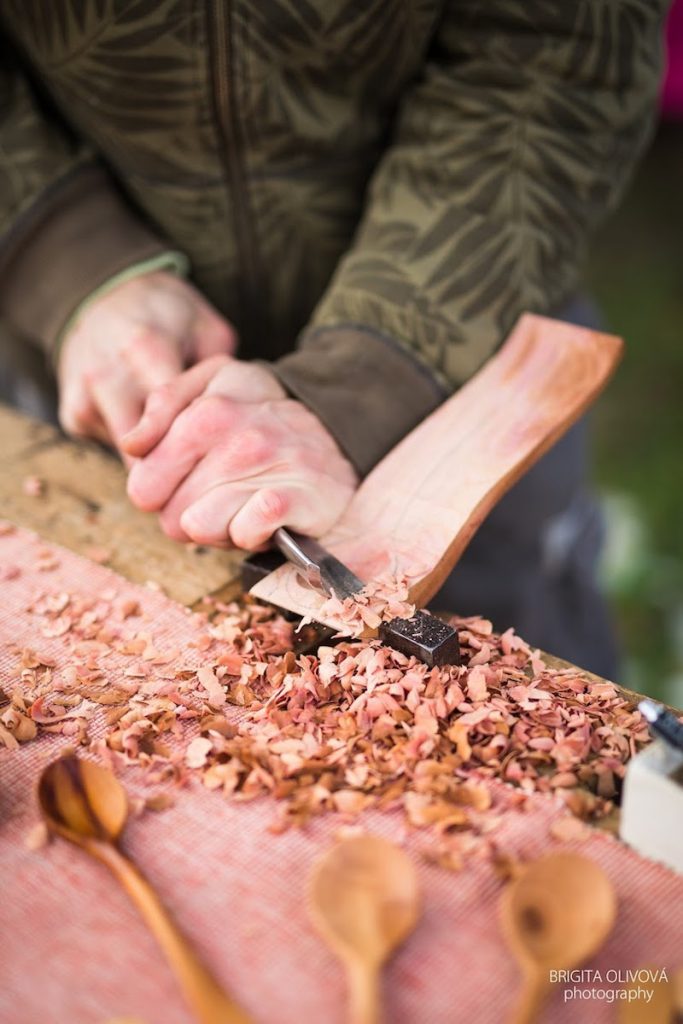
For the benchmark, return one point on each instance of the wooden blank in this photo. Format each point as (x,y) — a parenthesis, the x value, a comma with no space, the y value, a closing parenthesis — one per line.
(418,509)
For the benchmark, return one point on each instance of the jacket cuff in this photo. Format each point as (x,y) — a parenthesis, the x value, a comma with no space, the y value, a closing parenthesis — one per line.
(73,240)
(171,261)
(366,389)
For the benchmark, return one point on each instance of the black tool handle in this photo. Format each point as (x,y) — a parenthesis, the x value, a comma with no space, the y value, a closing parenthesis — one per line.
(662,723)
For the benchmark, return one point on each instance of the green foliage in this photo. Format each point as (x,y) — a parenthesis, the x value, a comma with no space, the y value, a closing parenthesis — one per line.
(636,275)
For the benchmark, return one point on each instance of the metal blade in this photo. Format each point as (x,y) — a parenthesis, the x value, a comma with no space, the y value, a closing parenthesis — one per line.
(321,569)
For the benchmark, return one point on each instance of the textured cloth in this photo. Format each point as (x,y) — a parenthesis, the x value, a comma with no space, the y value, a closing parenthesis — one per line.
(75,951)
(418,170)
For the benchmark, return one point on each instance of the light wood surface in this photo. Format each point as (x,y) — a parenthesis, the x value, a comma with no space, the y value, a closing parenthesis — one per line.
(418,509)
(662,1007)
(364,901)
(84,506)
(556,913)
(85,804)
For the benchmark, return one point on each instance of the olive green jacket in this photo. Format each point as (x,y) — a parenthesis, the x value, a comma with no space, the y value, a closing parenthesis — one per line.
(370,190)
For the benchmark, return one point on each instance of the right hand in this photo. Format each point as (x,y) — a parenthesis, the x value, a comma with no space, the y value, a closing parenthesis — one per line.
(135,338)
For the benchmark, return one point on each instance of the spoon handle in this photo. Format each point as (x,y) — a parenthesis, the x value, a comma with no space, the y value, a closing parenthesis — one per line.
(364,993)
(530,1000)
(210,1004)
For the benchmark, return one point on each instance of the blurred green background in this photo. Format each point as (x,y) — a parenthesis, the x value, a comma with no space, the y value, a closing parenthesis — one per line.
(636,277)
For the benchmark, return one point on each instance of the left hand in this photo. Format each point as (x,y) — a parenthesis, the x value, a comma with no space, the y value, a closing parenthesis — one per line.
(228,457)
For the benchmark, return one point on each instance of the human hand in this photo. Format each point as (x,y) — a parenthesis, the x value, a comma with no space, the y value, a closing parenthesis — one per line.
(131,340)
(226,458)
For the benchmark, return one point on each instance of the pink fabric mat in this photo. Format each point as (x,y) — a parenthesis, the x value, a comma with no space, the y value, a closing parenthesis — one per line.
(73,950)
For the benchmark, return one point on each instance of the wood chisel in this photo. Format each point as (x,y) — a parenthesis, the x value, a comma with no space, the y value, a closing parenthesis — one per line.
(424,635)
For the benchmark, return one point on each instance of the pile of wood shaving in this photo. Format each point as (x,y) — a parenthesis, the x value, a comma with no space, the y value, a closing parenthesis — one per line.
(354,726)
(383,599)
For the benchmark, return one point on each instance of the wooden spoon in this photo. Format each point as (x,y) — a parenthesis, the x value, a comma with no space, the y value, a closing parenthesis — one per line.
(556,914)
(85,804)
(660,1010)
(364,901)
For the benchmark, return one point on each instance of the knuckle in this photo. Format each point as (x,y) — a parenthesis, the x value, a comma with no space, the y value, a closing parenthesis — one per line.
(210,413)
(141,337)
(251,448)
(159,400)
(200,532)
(271,505)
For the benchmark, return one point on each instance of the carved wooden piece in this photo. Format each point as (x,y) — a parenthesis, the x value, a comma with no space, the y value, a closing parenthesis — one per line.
(364,901)
(556,914)
(85,804)
(419,508)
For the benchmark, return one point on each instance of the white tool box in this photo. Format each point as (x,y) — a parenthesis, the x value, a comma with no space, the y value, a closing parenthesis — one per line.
(652,804)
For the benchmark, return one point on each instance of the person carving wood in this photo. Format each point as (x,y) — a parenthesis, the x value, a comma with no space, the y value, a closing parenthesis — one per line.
(363,198)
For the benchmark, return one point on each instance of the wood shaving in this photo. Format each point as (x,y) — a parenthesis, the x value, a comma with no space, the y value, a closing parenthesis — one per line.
(387,597)
(353,726)
(33,486)
(38,837)
(98,554)
(159,802)
(568,829)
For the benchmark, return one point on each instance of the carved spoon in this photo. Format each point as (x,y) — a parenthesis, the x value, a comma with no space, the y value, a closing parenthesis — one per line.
(85,804)
(556,913)
(364,901)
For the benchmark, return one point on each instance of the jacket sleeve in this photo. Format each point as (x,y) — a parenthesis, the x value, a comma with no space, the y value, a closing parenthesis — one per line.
(520,135)
(64,227)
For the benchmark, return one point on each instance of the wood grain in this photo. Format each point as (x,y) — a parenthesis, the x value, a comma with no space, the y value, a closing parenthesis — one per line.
(418,509)
(85,505)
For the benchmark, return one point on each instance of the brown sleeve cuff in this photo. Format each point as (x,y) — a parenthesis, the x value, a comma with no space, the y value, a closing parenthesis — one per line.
(365,388)
(69,243)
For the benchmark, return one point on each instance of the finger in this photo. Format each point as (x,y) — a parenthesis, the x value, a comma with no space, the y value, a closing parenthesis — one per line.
(265,511)
(208,474)
(119,402)
(246,382)
(213,335)
(155,358)
(239,459)
(207,520)
(194,433)
(166,403)
(78,414)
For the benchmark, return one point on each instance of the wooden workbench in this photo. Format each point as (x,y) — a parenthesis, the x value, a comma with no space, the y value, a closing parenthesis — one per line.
(84,506)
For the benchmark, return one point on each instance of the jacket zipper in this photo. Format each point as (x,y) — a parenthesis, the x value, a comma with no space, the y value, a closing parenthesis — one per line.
(231,139)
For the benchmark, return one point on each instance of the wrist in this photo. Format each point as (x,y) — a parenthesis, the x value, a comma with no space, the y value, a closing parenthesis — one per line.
(170,261)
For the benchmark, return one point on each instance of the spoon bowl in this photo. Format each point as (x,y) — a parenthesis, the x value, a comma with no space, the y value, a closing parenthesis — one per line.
(661,1008)
(364,901)
(556,914)
(82,801)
